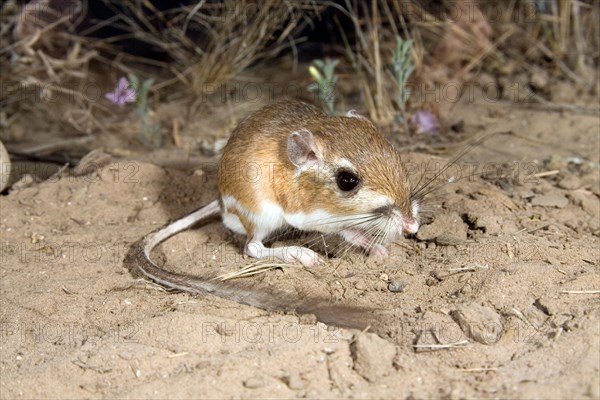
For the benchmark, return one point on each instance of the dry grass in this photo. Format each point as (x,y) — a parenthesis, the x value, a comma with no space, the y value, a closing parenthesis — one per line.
(207,42)
(443,50)
(564,36)
(38,71)
(46,52)
(454,40)
(210,43)
(376,27)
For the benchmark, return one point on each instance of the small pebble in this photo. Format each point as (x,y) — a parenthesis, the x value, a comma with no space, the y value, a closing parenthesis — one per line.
(294,381)
(527,194)
(254,382)
(373,356)
(431,281)
(570,182)
(587,201)
(480,323)
(550,200)
(396,287)
(557,162)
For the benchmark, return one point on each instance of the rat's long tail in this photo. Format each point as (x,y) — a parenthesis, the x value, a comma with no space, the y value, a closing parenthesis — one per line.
(139,252)
(138,258)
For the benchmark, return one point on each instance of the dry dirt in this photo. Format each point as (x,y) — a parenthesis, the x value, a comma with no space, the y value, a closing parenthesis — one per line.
(487,305)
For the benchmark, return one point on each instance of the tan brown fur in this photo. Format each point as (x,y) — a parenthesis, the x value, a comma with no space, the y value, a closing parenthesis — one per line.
(261,140)
(273,145)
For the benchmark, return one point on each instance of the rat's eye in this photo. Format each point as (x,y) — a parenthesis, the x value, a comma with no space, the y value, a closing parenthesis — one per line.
(347,180)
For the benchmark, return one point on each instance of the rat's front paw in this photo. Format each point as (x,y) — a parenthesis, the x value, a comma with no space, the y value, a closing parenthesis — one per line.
(378,252)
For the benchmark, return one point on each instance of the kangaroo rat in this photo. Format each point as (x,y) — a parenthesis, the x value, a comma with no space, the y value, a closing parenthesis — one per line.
(290,165)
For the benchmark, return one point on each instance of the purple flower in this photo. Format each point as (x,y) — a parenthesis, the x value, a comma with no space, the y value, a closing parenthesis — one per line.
(426,122)
(122,94)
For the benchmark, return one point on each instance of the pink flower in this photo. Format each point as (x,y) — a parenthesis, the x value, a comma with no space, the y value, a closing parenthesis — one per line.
(122,94)
(426,122)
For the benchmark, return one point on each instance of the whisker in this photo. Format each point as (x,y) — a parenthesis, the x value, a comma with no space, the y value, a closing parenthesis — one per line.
(333,219)
(453,161)
(433,188)
(356,223)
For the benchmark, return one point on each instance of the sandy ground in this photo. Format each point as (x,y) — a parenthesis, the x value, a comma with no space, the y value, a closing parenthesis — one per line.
(488,306)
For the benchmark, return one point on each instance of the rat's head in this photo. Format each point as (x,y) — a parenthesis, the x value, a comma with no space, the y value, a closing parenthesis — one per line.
(352,181)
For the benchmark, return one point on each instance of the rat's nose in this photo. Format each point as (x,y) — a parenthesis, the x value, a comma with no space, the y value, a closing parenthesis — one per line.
(410,225)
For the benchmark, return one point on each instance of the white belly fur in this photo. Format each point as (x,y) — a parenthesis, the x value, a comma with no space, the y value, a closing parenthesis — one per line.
(270,219)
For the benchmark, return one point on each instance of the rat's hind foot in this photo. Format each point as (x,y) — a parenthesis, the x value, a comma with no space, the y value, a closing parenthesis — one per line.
(288,254)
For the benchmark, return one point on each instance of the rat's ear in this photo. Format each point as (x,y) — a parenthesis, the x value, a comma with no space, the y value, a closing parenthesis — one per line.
(354,114)
(302,149)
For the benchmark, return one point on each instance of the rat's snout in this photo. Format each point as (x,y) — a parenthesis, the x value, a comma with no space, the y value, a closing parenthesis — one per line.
(410,225)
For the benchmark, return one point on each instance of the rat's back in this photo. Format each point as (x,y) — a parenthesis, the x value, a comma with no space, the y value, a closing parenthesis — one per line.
(255,157)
